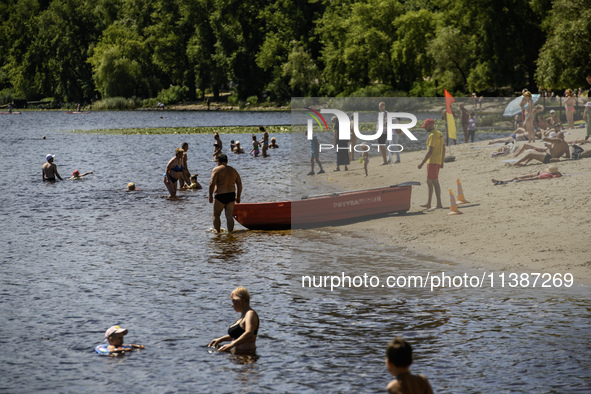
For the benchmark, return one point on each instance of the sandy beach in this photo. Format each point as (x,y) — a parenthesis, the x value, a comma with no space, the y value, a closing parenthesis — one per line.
(533,226)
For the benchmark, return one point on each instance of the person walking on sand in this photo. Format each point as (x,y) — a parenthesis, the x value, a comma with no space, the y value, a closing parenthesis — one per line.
(569,106)
(383,120)
(49,169)
(223,179)
(587,119)
(342,147)
(315,155)
(434,158)
(464,118)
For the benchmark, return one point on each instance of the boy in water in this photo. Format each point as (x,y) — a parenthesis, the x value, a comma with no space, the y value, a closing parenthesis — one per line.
(76,175)
(49,169)
(194,184)
(398,361)
(114,337)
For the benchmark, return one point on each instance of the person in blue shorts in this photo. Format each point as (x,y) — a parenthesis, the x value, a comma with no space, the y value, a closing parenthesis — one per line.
(315,155)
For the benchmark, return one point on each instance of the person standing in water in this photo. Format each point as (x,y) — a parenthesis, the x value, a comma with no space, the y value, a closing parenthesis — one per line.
(174,171)
(49,169)
(223,180)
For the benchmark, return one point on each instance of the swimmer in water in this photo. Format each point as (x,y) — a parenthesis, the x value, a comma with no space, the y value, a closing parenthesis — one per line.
(76,175)
(114,338)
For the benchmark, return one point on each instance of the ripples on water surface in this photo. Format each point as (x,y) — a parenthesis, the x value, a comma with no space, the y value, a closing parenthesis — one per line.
(79,257)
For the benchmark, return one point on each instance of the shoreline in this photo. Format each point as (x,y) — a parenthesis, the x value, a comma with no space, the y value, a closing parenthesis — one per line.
(533,226)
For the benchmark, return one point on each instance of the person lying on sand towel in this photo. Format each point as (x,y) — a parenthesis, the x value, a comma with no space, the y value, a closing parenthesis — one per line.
(548,173)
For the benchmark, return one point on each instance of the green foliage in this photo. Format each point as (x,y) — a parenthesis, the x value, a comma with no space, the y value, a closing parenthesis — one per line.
(118,62)
(6,96)
(233,99)
(173,94)
(565,57)
(78,50)
(252,100)
(116,103)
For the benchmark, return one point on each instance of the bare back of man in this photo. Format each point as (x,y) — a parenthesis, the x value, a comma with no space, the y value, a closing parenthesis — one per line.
(50,171)
(224,178)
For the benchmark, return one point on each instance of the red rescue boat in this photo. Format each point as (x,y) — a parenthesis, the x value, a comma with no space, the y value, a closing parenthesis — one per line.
(325,209)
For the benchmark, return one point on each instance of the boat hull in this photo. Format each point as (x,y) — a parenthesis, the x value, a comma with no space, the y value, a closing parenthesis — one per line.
(324,210)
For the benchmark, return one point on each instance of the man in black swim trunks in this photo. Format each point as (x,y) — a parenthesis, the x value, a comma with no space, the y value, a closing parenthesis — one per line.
(557,148)
(49,169)
(223,179)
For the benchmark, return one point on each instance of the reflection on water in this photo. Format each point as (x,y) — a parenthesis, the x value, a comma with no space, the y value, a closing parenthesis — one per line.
(79,257)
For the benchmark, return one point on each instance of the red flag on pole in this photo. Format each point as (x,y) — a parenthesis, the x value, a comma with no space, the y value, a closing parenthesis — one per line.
(451,124)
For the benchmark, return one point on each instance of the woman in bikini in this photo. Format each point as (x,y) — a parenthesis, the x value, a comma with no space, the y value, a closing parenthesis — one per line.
(243,333)
(175,171)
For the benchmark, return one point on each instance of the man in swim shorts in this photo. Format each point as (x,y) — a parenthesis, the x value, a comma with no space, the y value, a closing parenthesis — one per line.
(434,159)
(223,179)
(557,148)
(49,169)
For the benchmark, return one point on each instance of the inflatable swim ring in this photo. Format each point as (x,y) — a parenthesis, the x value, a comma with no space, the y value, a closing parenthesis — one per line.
(102,349)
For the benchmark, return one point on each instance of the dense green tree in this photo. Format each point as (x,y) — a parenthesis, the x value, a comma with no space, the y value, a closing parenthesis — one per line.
(357,38)
(75,50)
(118,62)
(565,58)
(410,60)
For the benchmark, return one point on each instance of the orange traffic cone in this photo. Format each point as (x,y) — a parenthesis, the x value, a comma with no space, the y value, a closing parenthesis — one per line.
(461,198)
(453,207)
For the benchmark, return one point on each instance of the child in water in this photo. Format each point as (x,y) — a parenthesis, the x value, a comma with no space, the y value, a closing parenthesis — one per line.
(398,361)
(194,184)
(255,146)
(76,175)
(114,346)
(131,187)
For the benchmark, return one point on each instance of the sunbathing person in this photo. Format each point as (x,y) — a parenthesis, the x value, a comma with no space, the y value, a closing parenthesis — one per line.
(558,148)
(518,135)
(580,141)
(548,173)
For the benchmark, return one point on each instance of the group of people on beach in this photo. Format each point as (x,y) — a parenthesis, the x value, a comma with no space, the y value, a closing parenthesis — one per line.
(242,337)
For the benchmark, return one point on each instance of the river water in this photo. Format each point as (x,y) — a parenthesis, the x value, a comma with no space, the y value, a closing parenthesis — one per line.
(78,257)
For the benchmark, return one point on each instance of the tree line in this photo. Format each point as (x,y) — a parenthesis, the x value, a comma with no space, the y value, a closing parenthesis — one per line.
(83,50)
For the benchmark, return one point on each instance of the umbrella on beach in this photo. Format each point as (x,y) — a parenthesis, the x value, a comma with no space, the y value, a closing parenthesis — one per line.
(514,109)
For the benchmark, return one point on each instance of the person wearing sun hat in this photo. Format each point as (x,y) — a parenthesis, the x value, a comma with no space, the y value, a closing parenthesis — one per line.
(114,338)
(434,159)
(49,169)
